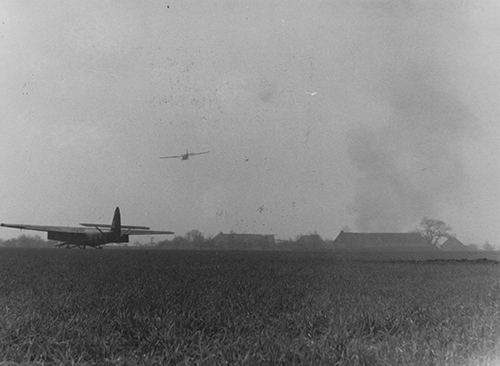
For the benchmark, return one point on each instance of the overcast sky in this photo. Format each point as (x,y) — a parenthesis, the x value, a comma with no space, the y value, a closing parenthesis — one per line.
(317,115)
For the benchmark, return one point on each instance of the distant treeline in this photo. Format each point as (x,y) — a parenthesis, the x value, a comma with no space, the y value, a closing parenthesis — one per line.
(191,240)
(195,240)
(26,241)
(180,242)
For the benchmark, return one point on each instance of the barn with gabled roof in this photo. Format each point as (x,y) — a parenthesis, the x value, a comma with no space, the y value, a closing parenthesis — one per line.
(243,241)
(381,241)
(452,244)
(310,242)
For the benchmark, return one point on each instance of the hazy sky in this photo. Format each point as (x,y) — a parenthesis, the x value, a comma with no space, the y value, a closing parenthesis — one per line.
(317,115)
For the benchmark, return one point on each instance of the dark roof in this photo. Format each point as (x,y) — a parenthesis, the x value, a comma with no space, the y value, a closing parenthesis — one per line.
(310,238)
(242,240)
(234,236)
(311,241)
(453,243)
(380,241)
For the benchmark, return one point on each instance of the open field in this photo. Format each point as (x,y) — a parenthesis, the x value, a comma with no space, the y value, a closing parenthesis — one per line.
(130,307)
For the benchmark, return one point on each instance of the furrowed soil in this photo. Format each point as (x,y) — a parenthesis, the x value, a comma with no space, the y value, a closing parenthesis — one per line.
(147,307)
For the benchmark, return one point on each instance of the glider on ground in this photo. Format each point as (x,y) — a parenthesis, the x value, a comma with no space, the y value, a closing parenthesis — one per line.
(92,235)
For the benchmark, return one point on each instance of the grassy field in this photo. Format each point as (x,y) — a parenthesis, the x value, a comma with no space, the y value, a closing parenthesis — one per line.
(128,307)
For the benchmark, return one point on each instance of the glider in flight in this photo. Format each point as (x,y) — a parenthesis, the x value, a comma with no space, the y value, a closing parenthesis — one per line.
(184,156)
(92,235)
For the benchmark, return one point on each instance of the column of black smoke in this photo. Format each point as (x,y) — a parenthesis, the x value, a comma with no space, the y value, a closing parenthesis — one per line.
(412,164)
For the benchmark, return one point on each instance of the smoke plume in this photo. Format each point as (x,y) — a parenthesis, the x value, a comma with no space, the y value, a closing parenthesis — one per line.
(411,164)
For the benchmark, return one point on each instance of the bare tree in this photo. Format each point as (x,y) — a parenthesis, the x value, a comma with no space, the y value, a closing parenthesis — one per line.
(487,246)
(195,236)
(433,230)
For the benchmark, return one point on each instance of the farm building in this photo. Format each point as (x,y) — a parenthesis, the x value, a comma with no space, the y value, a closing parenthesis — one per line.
(381,241)
(310,242)
(452,244)
(243,241)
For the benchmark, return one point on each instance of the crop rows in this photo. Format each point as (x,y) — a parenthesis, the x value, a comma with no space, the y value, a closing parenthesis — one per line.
(120,307)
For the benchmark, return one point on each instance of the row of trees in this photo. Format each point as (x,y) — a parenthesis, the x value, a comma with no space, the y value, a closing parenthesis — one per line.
(193,239)
(434,231)
(25,241)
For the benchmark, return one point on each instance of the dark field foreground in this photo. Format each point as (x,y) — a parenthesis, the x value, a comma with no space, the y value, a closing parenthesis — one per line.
(173,307)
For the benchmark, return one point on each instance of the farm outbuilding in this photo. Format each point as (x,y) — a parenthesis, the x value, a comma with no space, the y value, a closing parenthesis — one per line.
(243,241)
(381,241)
(310,242)
(452,244)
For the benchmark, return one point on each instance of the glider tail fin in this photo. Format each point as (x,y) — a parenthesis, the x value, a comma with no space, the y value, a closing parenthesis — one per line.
(116,226)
